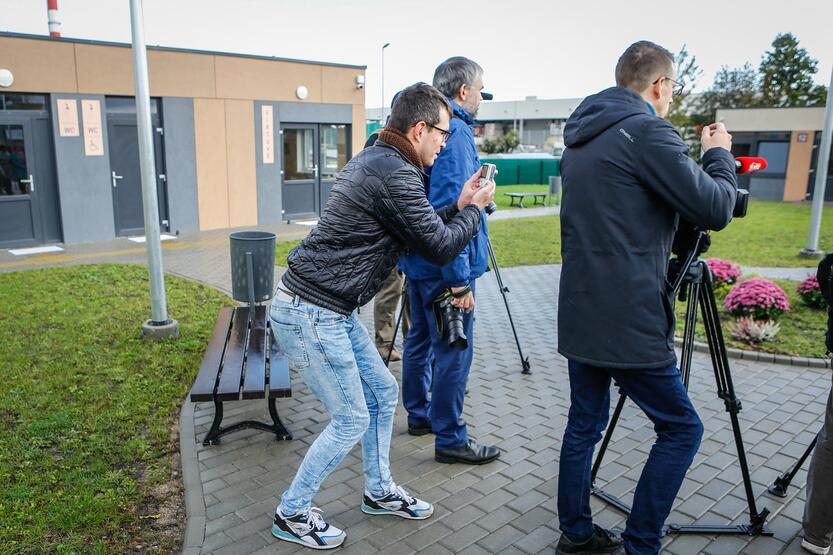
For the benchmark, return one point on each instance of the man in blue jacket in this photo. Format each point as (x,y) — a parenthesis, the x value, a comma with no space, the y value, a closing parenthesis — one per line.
(627,180)
(461,80)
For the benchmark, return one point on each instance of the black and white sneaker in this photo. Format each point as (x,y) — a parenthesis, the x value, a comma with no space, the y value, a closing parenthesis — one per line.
(307,529)
(397,502)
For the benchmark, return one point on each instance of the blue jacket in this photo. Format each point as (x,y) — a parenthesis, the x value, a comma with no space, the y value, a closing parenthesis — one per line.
(627,179)
(455,164)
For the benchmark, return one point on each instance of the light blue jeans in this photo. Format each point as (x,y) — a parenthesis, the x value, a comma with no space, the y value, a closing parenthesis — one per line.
(338,361)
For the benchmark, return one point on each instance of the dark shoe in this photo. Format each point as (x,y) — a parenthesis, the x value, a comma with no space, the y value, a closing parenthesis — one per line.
(602,541)
(420,430)
(471,453)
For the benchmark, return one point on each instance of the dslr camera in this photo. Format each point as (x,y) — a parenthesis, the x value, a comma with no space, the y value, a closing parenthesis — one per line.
(449,318)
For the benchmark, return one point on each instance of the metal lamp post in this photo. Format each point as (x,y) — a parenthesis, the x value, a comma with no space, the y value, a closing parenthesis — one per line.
(812,249)
(384,106)
(160,326)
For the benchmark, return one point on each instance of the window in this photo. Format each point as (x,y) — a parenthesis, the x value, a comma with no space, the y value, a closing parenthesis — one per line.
(22,101)
(776,154)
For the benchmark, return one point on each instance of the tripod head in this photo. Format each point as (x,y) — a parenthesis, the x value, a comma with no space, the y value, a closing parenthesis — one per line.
(689,243)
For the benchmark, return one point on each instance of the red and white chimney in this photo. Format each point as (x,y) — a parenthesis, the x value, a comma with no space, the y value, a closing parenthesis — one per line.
(54,22)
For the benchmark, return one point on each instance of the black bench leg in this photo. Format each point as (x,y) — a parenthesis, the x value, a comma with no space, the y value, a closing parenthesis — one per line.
(280,430)
(217,431)
(213,435)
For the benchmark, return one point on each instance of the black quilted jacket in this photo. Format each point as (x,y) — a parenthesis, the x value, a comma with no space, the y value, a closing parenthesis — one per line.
(377,208)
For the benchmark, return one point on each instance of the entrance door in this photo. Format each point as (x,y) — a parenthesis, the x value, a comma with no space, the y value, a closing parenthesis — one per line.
(312,156)
(19,215)
(126,178)
(301,181)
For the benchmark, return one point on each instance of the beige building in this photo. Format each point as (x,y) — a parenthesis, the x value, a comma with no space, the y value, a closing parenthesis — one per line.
(240,140)
(789,139)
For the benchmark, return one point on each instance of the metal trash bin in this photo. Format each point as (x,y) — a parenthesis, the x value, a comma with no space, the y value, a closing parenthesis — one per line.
(252,266)
(555,188)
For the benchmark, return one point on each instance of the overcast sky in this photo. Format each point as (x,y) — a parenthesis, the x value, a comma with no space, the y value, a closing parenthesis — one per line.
(549,49)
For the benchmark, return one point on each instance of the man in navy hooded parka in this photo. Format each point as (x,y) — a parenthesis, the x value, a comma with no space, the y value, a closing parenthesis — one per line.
(627,181)
(461,80)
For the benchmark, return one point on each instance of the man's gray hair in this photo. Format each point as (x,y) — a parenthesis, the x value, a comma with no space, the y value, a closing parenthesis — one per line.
(454,73)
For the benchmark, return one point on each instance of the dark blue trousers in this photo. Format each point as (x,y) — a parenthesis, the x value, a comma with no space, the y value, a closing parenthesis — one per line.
(661,395)
(444,409)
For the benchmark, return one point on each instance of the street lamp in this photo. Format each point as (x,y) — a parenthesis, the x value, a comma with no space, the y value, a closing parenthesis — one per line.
(384,106)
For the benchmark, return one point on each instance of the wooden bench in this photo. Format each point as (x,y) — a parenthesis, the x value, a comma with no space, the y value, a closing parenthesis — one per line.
(522,196)
(242,362)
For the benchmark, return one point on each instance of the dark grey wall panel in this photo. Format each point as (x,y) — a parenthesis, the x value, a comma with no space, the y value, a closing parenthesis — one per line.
(269,201)
(50,209)
(84,183)
(180,163)
(767,188)
(300,112)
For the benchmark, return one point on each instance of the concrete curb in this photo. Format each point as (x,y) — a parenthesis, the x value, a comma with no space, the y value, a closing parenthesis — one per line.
(762,357)
(194,500)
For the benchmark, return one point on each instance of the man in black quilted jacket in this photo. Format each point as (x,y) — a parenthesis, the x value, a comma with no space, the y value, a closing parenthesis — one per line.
(377,208)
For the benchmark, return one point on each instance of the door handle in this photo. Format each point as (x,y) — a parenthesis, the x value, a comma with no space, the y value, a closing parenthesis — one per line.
(116,178)
(30,182)
(315,170)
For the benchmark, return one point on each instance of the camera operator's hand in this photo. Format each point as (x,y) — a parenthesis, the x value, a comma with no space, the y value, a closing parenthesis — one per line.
(473,193)
(715,135)
(465,302)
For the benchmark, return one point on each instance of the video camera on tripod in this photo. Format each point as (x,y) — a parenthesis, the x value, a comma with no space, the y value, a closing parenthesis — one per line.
(690,241)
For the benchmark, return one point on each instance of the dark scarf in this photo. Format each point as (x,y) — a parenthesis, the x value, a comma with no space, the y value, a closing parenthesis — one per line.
(398,140)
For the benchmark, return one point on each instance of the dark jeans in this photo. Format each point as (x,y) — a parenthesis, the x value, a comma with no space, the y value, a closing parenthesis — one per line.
(661,395)
(443,409)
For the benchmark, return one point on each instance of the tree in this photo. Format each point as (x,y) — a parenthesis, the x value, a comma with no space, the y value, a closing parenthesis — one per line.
(732,88)
(503,143)
(787,75)
(683,107)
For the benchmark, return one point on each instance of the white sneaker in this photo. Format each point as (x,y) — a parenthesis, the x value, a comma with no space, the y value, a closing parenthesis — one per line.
(307,529)
(813,548)
(397,502)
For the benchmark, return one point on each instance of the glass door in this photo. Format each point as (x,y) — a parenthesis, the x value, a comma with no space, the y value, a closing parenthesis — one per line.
(19,217)
(300,173)
(313,154)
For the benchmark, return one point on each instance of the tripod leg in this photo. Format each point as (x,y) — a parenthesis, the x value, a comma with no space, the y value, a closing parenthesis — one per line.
(782,482)
(693,294)
(726,391)
(503,290)
(608,434)
(398,320)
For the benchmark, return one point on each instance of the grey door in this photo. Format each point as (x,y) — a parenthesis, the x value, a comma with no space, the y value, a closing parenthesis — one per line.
(312,156)
(300,176)
(19,214)
(126,178)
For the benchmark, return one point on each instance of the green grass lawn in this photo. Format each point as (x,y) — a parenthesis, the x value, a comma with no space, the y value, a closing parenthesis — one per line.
(88,409)
(771,234)
(801,334)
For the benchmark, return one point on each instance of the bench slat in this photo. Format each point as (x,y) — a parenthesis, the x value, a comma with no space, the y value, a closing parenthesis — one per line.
(231,375)
(254,384)
(203,389)
(279,384)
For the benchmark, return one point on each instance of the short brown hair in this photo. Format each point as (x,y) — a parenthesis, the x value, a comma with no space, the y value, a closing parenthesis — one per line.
(419,102)
(641,64)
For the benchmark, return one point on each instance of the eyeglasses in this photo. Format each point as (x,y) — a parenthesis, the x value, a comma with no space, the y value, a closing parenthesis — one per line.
(676,89)
(446,132)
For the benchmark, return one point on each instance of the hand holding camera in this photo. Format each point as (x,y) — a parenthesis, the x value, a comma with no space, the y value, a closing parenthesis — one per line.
(475,193)
(715,135)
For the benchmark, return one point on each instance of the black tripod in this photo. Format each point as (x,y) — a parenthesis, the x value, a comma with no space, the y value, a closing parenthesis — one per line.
(503,291)
(398,319)
(782,482)
(694,282)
